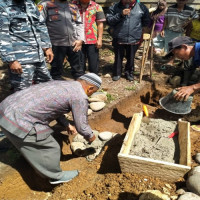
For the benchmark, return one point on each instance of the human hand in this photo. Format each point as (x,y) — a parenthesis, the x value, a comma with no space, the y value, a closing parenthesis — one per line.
(90,140)
(49,54)
(184,92)
(162,34)
(99,43)
(71,129)
(77,45)
(126,11)
(15,67)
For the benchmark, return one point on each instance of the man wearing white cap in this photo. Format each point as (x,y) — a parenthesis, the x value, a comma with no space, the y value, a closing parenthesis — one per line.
(25,118)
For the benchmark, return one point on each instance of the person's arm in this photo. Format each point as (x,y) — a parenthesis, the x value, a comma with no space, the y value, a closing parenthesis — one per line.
(164,26)
(114,18)
(43,31)
(185,92)
(6,49)
(100,18)
(79,30)
(100,34)
(7,53)
(79,109)
(62,120)
(146,19)
(188,30)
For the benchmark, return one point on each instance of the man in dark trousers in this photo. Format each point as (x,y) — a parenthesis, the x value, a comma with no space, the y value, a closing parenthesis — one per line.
(66,32)
(127,19)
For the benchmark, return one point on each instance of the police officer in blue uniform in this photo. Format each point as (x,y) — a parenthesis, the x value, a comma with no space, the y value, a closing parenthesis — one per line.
(24,42)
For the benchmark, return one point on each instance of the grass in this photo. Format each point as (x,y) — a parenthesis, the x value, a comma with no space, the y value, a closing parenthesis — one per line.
(110,98)
(133,87)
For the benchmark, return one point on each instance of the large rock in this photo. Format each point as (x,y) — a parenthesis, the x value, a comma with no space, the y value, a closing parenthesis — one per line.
(193,183)
(96,106)
(98,96)
(195,170)
(197,158)
(79,138)
(105,136)
(78,148)
(189,196)
(154,195)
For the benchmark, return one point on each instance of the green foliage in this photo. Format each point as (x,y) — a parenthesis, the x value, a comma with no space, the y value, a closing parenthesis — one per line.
(133,87)
(110,98)
(130,87)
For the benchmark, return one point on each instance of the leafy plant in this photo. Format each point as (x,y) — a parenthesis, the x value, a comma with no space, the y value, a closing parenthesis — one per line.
(110,98)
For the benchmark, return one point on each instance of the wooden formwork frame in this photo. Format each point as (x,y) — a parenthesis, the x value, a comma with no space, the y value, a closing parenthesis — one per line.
(146,166)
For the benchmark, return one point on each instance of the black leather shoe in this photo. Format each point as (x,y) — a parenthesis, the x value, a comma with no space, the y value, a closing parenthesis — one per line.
(129,77)
(116,78)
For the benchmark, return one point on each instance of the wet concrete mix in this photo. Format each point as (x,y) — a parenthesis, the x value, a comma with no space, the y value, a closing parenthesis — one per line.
(152,141)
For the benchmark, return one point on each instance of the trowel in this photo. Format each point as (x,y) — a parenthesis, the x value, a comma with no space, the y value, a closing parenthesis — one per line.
(146,118)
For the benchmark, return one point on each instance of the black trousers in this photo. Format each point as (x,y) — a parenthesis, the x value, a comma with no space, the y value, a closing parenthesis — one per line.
(91,53)
(120,51)
(75,59)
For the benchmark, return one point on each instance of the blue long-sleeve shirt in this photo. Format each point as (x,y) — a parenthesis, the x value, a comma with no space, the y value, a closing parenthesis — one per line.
(196,58)
(23,32)
(39,104)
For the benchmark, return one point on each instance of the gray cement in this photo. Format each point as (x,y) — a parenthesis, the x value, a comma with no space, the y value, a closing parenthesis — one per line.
(152,141)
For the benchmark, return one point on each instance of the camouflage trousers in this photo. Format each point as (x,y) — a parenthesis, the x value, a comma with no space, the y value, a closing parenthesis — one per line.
(32,74)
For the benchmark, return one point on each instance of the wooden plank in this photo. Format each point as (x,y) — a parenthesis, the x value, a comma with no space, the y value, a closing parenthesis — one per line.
(132,130)
(184,142)
(164,170)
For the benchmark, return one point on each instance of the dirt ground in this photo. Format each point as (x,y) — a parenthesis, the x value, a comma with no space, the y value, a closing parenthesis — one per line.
(100,179)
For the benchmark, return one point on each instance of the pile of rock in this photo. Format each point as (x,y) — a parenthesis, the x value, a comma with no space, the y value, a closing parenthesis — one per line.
(192,184)
(192,192)
(81,147)
(97,102)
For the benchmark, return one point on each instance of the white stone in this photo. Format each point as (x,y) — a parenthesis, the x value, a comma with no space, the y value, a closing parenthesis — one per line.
(94,99)
(197,158)
(154,195)
(95,132)
(79,138)
(105,135)
(174,197)
(189,196)
(96,106)
(99,95)
(107,76)
(193,183)
(90,111)
(77,148)
(180,191)
(194,171)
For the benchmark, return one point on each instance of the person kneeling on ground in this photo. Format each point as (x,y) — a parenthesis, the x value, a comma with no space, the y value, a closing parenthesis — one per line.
(127,18)
(183,47)
(25,118)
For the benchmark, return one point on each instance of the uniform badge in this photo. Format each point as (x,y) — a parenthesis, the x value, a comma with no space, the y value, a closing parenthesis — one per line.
(40,7)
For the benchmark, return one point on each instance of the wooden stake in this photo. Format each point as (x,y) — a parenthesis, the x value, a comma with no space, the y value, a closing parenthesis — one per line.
(132,130)
(146,51)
